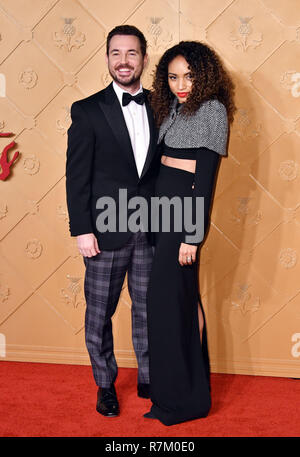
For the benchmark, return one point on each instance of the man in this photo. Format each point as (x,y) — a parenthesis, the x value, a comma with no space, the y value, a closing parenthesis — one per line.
(112,146)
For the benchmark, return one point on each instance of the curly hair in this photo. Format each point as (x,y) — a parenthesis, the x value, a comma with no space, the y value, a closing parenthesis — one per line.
(210,80)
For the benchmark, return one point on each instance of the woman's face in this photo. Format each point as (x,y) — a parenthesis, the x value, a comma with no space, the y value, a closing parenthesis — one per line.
(180,78)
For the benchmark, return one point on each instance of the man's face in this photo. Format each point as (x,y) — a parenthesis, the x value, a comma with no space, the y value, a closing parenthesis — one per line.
(125,60)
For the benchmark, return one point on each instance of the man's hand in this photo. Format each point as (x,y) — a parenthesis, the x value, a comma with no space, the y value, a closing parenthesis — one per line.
(88,245)
(187,254)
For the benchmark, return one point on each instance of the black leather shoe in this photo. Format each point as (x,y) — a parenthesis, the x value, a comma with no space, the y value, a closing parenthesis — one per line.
(143,390)
(107,402)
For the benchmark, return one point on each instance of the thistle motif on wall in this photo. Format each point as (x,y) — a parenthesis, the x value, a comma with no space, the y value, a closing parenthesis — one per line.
(244,214)
(158,38)
(243,301)
(245,38)
(69,38)
(62,213)
(70,295)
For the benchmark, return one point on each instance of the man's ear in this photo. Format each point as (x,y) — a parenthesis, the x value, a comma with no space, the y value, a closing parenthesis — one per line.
(146,60)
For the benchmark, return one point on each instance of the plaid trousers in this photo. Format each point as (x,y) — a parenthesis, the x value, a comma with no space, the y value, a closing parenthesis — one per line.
(104,277)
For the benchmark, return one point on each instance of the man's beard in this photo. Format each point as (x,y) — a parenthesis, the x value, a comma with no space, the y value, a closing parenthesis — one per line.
(126,83)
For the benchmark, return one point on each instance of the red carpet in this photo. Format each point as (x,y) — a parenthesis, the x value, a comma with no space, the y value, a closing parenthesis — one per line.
(47,400)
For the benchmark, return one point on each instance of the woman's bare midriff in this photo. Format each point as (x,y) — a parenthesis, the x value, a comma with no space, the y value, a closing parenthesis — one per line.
(183,164)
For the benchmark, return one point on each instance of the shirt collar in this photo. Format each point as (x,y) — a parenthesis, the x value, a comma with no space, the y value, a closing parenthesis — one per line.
(119,91)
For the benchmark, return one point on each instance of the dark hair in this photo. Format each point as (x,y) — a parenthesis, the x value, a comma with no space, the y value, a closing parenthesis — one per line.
(127,30)
(210,80)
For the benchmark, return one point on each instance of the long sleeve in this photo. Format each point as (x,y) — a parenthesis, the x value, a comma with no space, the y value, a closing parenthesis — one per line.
(205,174)
(80,155)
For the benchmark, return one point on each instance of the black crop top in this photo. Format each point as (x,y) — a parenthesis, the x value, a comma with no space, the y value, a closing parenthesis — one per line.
(179,153)
(204,178)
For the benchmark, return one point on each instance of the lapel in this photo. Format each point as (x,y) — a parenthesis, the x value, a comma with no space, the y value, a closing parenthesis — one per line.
(152,142)
(110,106)
(112,110)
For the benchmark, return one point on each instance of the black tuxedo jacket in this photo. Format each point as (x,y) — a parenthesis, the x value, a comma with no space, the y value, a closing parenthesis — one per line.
(100,161)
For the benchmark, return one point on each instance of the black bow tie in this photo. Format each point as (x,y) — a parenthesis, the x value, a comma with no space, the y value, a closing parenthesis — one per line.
(127,98)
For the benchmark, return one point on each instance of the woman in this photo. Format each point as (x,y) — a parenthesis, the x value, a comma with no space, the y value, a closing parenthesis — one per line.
(192,100)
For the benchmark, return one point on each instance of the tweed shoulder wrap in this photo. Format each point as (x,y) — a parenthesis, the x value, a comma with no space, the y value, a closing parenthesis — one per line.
(208,127)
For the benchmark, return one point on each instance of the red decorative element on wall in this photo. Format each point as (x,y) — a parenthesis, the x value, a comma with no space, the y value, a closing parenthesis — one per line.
(4,164)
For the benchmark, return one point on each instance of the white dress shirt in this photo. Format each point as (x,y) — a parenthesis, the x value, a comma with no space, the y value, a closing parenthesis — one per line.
(138,127)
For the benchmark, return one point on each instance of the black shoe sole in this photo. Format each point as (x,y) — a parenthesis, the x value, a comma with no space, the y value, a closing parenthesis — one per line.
(149,415)
(108,414)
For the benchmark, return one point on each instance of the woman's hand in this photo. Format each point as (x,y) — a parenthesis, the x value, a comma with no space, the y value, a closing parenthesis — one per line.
(187,254)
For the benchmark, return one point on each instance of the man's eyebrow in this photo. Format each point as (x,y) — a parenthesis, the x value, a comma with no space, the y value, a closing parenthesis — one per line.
(128,50)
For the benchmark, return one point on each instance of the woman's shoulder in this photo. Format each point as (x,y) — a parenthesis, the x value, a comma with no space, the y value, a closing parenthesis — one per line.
(212,108)
(207,127)
(212,125)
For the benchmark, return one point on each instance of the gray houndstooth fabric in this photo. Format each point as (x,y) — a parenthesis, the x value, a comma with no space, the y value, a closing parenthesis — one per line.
(208,127)
(104,278)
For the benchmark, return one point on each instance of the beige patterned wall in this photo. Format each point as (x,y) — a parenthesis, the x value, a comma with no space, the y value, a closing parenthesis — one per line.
(51,54)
